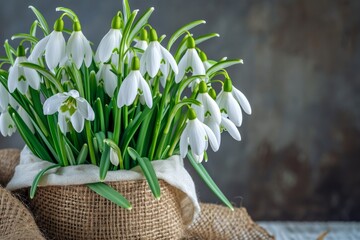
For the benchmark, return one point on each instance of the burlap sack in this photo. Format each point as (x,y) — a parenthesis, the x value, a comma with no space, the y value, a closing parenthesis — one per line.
(16,222)
(220,223)
(76,212)
(9,158)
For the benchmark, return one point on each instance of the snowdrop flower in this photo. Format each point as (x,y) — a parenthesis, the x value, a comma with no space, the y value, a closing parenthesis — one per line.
(110,41)
(53,45)
(70,106)
(108,77)
(78,47)
(6,99)
(196,134)
(229,101)
(20,77)
(7,125)
(208,107)
(155,55)
(226,124)
(114,158)
(132,85)
(190,60)
(143,42)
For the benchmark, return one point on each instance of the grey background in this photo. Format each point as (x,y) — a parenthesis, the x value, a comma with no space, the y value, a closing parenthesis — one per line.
(299,157)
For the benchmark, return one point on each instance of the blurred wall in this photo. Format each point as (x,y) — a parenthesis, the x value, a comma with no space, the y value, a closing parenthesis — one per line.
(300,153)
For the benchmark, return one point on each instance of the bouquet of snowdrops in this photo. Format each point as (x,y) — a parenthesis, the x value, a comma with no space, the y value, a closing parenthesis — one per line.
(123,105)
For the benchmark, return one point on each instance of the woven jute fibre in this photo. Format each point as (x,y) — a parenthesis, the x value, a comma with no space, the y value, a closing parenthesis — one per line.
(16,222)
(9,158)
(76,212)
(216,222)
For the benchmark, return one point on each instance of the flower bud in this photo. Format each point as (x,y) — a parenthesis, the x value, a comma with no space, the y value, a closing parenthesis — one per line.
(203,56)
(203,87)
(190,42)
(77,26)
(59,25)
(21,51)
(144,35)
(135,65)
(116,22)
(212,93)
(227,85)
(191,114)
(153,35)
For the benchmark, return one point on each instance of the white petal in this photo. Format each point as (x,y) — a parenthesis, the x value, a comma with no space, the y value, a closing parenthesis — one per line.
(197,136)
(200,110)
(73,94)
(88,51)
(7,125)
(26,118)
(234,110)
(198,158)
(52,104)
(183,65)
(63,124)
(231,128)
(114,158)
(196,63)
(169,59)
(153,59)
(33,78)
(144,86)
(38,49)
(211,106)
(215,128)
(77,121)
(55,49)
(13,78)
(184,143)
(107,45)
(240,97)
(212,139)
(110,80)
(75,49)
(141,44)
(4,99)
(85,109)
(128,90)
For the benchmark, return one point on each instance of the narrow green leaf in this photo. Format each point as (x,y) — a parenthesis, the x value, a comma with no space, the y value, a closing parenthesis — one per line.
(100,114)
(25,36)
(104,162)
(70,154)
(111,194)
(223,64)
(67,11)
(208,180)
(37,179)
(43,24)
(33,28)
(8,51)
(47,74)
(140,23)
(148,171)
(183,30)
(82,155)
(126,10)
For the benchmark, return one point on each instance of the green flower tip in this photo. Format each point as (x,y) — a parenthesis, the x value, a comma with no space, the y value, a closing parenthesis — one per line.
(190,42)
(203,56)
(191,114)
(135,65)
(227,85)
(212,93)
(59,25)
(116,22)
(77,26)
(20,51)
(153,35)
(203,87)
(144,35)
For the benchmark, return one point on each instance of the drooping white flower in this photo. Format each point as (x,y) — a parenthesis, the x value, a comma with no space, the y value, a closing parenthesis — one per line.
(197,135)
(6,99)
(71,107)
(190,61)
(54,46)
(155,55)
(108,77)
(110,41)
(7,125)
(141,44)
(114,158)
(132,85)
(226,125)
(230,105)
(78,48)
(26,118)
(208,107)
(21,77)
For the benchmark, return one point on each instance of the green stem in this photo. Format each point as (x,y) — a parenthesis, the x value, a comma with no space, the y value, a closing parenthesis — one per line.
(89,142)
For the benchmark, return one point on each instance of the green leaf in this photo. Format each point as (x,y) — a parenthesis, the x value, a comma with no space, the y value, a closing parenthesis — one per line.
(126,10)
(223,64)
(148,171)
(43,24)
(50,76)
(208,180)
(104,162)
(26,37)
(70,154)
(111,194)
(82,155)
(140,23)
(183,30)
(8,51)
(37,179)
(33,28)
